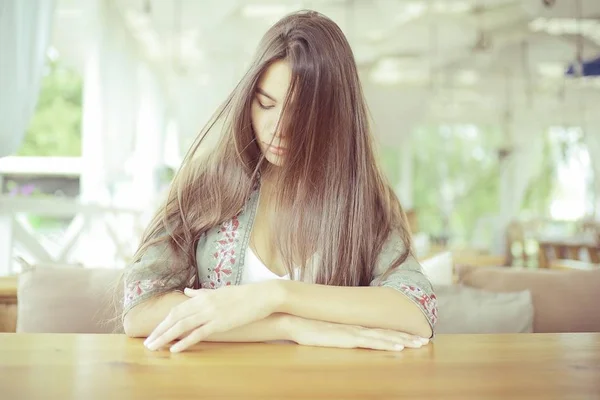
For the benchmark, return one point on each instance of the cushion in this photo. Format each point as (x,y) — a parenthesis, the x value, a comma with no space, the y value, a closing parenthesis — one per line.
(467,310)
(564,301)
(68,300)
(421,244)
(439,268)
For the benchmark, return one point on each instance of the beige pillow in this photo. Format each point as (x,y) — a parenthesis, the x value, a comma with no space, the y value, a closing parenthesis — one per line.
(67,300)
(467,310)
(439,268)
(564,301)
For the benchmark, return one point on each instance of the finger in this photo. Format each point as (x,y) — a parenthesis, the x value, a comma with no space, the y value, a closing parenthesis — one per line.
(177,330)
(378,344)
(196,336)
(399,335)
(193,292)
(359,339)
(177,314)
(161,328)
(380,337)
(402,338)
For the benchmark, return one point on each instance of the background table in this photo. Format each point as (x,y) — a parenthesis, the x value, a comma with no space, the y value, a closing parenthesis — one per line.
(87,367)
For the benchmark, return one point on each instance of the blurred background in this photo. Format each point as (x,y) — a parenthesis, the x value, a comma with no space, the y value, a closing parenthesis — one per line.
(486,115)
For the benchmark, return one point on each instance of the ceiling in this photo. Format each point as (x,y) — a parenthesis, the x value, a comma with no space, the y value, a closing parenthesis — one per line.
(454,60)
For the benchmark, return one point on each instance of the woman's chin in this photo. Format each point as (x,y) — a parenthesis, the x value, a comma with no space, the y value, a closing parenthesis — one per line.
(275,159)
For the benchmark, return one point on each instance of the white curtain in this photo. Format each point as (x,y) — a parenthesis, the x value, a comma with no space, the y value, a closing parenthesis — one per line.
(110,104)
(25,28)
(111,119)
(149,153)
(516,173)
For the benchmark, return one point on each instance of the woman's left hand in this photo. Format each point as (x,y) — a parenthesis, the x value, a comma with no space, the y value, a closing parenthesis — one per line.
(210,311)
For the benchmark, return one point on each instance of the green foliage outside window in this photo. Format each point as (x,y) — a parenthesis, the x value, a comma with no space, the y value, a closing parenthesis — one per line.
(457,176)
(55,129)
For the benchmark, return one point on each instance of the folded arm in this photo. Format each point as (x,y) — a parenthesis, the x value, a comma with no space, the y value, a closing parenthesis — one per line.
(142,319)
(401,300)
(372,307)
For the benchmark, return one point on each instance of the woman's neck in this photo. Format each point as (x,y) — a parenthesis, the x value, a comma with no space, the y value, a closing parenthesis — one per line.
(268,185)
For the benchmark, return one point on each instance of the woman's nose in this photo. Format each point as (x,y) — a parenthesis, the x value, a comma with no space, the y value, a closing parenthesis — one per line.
(275,127)
(279,133)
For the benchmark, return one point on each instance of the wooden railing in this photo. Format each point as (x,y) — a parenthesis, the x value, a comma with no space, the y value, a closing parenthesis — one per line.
(122,227)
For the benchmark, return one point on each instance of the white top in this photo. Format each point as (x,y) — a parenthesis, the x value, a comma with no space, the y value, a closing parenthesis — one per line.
(256,271)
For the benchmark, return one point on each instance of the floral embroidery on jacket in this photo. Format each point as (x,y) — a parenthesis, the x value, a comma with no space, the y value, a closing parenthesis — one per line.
(136,289)
(428,302)
(224,255)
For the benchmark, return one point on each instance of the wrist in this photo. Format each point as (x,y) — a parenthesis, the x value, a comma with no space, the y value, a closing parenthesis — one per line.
(276,292)
(286,326)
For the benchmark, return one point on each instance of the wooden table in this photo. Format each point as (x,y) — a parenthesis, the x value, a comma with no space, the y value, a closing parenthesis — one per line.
(88,367)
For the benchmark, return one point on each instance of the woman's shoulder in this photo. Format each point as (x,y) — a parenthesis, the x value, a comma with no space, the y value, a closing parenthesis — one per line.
(396,244)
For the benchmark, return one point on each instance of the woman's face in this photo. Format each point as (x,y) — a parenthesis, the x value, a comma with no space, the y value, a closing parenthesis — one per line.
(266,110)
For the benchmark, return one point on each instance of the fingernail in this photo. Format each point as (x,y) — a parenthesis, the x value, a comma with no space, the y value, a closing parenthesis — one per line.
(417,343)
(151,346)
(174,349)
(398,347)
(424,340)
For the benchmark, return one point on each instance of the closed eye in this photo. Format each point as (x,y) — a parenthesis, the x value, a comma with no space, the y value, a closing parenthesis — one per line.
(261,92)
(263,106)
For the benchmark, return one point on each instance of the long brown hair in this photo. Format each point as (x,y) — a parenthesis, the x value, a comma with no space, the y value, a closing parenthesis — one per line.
(332,199)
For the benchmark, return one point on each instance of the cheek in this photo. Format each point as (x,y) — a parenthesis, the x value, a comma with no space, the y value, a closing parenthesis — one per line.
(257,121)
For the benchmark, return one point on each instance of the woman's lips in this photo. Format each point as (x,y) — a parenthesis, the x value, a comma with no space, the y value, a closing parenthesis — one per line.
(278,150)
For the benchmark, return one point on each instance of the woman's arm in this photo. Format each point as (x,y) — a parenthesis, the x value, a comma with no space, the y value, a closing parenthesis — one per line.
(372,307)
(400,299)
(141,320)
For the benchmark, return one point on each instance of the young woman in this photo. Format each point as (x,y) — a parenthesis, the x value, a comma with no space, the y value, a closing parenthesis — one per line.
(288,230)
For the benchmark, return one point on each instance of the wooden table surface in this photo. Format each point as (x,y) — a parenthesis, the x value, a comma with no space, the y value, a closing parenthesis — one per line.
(88,367)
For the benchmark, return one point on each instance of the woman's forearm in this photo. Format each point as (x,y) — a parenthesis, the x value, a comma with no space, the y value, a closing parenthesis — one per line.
(274,327)
(371,307)
(142,319)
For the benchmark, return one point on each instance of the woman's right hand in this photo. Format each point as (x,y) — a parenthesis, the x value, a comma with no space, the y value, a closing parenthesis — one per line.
(326,334)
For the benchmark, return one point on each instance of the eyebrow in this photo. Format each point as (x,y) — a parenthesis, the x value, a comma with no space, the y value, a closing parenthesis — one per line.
(262,92)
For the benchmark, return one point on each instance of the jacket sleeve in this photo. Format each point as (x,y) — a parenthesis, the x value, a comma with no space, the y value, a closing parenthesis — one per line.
(156,273)
(407,278)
